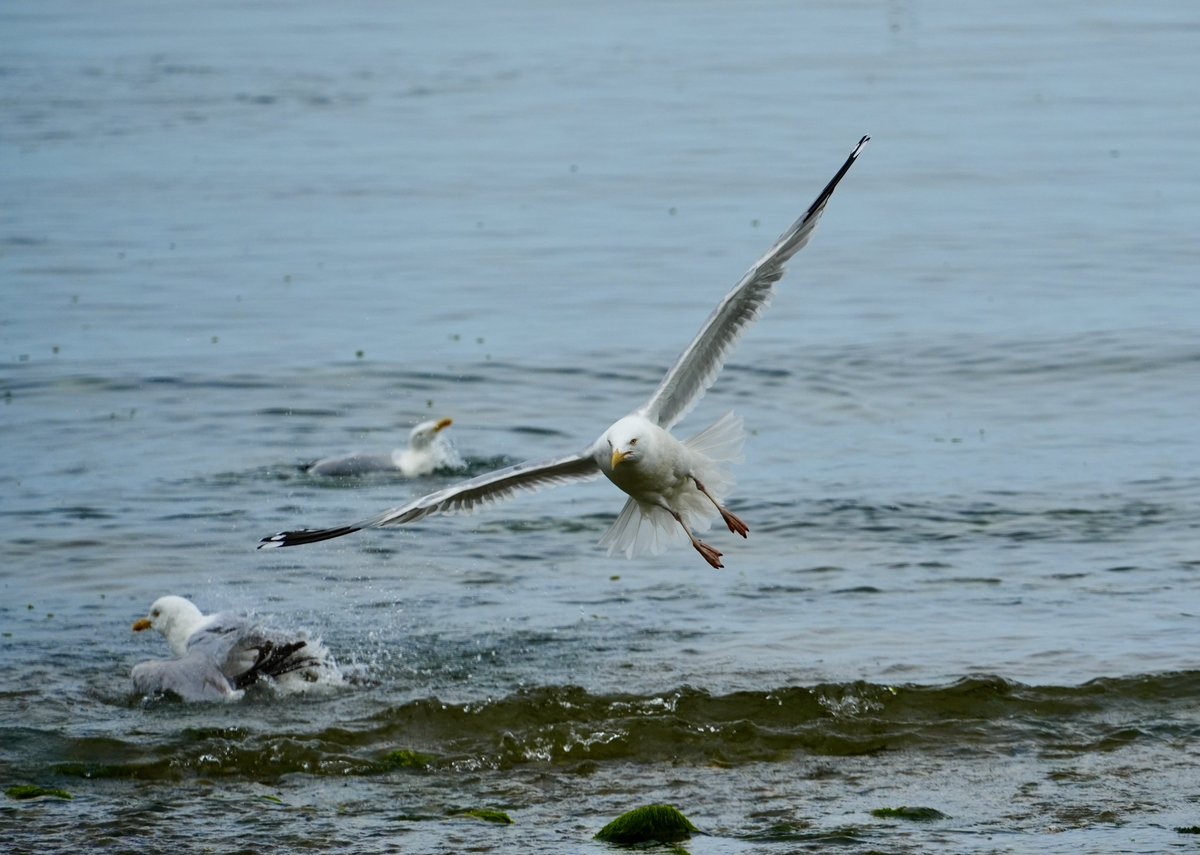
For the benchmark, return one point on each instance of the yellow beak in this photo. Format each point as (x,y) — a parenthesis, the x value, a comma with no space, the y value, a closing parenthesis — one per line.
(442,424)
(618,456)
(144,623)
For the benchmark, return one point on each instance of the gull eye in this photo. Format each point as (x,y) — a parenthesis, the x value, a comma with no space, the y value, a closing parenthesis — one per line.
(633,441)
(154,613)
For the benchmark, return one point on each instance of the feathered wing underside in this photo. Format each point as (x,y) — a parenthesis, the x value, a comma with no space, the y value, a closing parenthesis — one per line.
(647,529)
(701,362)
(195,677)
(465,497)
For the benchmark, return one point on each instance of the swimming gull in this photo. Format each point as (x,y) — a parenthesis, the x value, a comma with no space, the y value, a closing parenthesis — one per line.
(428,450)
(672,485)
(217,656)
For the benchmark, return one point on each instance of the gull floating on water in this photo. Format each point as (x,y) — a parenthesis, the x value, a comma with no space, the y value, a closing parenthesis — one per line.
(428,451)
(218,656)
(672,486)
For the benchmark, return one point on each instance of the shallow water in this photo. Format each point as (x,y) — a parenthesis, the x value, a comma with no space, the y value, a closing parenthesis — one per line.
(242,237)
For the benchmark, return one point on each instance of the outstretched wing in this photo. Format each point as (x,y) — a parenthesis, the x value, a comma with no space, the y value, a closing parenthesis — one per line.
(194,677)
(699,365)
(461,498)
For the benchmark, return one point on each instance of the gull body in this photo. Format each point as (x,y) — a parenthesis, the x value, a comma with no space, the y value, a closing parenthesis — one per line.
(217,656)
(675,488)
(428,450)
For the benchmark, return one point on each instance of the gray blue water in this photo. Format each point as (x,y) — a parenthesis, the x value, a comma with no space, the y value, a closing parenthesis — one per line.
(237,237)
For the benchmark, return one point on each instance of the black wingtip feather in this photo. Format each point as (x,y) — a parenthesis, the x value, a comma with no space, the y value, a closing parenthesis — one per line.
(274,661)
(824,195)
(303,536)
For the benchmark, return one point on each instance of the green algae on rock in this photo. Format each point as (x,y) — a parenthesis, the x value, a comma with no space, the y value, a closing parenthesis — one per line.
(662,823)
(486,814)
(32,791)
(406,758)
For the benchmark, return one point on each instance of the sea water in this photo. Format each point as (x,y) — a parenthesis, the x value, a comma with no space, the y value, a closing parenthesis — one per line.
(237,237)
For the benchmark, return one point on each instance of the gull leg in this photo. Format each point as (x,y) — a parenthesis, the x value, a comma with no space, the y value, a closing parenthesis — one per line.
(708,553)
(731,519)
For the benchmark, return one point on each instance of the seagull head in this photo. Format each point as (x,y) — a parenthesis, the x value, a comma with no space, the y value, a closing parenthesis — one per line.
(423,435)
(176,618)
(623,438)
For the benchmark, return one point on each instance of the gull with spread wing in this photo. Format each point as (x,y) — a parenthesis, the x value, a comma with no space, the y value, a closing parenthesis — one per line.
(673,486)
(217,656)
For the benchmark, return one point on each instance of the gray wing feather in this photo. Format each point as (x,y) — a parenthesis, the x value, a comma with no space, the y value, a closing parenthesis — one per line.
(700,363)
(220,636)
(465,497)
(192,678)
(527,477)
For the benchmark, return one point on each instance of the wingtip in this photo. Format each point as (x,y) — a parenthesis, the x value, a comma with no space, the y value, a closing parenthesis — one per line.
(303,536)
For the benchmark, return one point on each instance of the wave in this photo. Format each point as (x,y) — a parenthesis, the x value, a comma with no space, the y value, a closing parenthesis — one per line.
(568,727)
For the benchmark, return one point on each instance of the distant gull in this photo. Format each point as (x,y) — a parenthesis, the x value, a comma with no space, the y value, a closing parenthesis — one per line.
(218,656)
(671,485)
(428,450)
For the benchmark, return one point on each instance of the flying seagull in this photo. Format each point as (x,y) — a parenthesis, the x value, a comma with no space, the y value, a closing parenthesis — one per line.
(428,450)
(672,485)
(218,656)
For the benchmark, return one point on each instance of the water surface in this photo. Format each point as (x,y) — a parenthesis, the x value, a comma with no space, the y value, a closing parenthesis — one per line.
(239,238)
